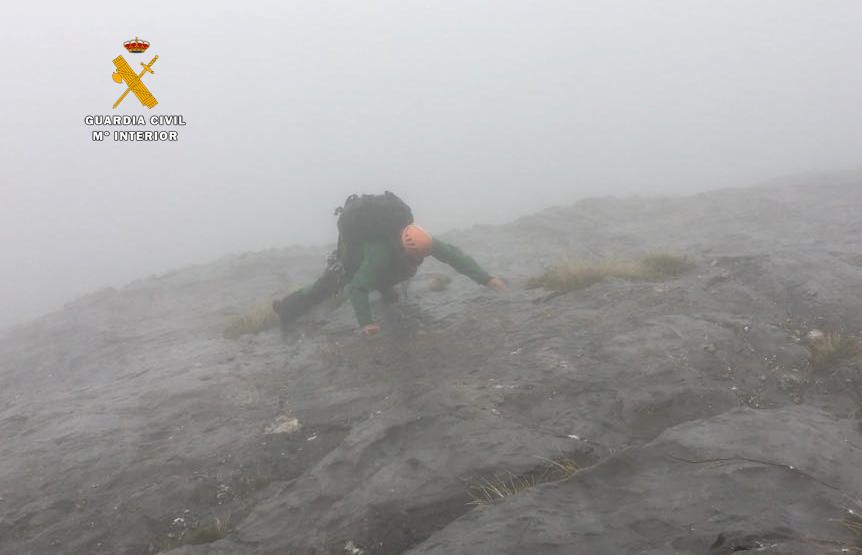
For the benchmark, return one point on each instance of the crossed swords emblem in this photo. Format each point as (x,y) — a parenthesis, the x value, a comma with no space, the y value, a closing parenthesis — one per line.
(134,83)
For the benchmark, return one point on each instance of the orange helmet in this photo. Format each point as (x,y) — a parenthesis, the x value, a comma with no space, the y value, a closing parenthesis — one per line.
(416,241)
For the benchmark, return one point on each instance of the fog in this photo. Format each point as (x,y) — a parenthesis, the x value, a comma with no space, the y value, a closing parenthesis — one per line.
(473,112)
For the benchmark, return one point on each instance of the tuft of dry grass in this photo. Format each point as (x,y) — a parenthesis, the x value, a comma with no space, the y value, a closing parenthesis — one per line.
(255,320)
(209,532)
(854,523)
(489,490)
(567,278)
(831,347)
(853,520)
(203,532)
(506,484)
(664,266)
(572,277)
(439,283)
(262,317)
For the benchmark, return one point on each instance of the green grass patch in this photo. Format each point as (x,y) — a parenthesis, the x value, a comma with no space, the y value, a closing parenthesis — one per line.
(572,277)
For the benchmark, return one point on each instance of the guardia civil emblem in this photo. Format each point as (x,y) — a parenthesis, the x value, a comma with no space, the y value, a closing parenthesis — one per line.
(124,74)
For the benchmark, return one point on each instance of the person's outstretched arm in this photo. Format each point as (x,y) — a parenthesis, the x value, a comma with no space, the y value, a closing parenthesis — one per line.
(463,263)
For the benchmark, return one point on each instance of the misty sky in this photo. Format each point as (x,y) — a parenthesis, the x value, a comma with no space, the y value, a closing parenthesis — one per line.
(473,111)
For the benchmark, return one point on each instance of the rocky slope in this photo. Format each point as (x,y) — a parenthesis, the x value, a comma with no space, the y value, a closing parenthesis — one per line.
(693,409)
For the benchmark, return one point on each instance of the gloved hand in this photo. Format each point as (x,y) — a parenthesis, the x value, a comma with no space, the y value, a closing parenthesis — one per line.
(369,329)
(497,284)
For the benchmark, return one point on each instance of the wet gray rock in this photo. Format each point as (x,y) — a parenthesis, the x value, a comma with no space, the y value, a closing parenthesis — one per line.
(685,402)
(772,481)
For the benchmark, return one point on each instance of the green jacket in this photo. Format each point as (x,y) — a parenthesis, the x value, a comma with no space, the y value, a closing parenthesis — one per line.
(384,265)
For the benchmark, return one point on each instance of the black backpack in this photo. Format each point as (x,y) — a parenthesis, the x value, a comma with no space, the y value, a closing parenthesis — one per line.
(373,217)
(369,218)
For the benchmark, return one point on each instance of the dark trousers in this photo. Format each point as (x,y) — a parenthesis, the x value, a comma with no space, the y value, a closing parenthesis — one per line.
(328,285)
